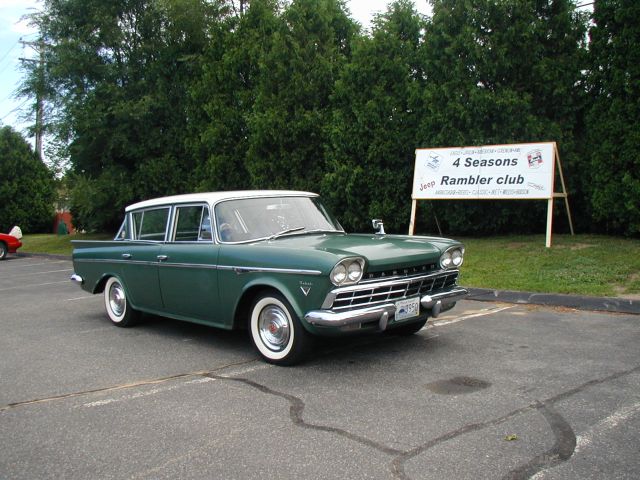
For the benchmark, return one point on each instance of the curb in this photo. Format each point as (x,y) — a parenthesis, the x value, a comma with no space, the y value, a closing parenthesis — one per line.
(579,302)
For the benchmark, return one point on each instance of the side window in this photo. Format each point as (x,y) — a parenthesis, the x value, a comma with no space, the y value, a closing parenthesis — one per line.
(192,224)
(150,224)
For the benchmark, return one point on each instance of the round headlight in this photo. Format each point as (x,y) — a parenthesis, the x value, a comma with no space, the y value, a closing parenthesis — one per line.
(354,272)
(445,260)
(456,258)
(339,274)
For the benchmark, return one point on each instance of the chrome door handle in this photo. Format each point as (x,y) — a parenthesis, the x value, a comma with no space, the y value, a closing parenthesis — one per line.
(126,256)
(162,258)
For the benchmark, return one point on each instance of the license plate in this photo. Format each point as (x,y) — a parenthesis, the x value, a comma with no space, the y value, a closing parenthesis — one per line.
(408,308)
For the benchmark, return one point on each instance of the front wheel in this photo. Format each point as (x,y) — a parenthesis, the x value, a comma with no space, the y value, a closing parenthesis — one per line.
(115,301)
(276,331)
(3,251)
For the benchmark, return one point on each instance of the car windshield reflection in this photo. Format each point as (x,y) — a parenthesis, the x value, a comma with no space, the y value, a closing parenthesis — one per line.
(251,219)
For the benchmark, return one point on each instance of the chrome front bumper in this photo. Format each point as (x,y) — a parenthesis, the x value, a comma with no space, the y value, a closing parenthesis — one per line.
(75,278)
(434,303)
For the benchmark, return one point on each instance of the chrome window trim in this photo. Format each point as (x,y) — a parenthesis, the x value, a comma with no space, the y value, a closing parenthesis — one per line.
(174,224)
(168,221)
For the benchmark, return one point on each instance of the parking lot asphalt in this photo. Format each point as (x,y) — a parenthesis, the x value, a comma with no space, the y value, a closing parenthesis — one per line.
(489,390)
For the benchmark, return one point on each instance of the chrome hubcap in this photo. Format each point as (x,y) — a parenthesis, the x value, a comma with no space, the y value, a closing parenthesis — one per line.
(274,328)
(117,300)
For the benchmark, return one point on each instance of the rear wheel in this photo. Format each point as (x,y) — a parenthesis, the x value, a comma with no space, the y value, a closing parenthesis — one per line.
(3,250)
(115,301)
(276,331)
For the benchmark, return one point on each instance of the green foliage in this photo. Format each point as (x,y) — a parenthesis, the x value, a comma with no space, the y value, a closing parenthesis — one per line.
(223,97)
(154,97)
(27,187)
(613,116)
(118,76)
(291,110)
(375,123)
(503,72)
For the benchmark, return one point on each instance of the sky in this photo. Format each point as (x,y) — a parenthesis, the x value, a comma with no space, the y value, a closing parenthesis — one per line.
(13,30)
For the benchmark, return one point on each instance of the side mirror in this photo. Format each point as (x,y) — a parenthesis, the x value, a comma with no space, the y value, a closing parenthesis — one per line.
(378,226)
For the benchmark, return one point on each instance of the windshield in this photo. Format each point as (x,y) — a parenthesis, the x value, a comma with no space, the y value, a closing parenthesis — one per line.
(251,219)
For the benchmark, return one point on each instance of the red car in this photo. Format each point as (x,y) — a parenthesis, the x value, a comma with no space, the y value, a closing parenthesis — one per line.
(8,244)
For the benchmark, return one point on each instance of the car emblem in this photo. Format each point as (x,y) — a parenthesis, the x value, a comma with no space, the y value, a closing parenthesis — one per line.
(305,290)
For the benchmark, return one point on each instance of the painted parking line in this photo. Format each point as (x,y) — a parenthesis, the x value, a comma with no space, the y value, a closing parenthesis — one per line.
(18,287)
(81,298)
(482,313)
(51,262)
(603,427)
(606,425)
(41,273)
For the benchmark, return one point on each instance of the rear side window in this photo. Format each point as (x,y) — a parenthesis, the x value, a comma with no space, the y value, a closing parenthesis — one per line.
(150,224)
(192,224)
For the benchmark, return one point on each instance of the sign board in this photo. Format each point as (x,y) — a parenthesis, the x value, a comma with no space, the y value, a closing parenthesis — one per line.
(524,171)
(505,172)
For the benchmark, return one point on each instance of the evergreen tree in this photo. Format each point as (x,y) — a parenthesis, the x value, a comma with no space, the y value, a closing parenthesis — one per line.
(613,121)
(27,187)
(117,79)
(288,124)
(375,121)
(223,97)
(504,72)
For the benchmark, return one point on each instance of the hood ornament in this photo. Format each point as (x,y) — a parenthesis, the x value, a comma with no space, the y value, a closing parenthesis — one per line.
(378,226)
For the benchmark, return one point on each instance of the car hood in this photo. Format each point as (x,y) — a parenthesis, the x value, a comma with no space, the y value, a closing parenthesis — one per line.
(379,251)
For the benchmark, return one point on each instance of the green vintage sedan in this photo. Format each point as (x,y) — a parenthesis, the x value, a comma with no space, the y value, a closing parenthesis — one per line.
(274,262)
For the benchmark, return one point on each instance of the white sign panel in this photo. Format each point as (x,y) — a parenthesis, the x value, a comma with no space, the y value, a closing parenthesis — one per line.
(521,171)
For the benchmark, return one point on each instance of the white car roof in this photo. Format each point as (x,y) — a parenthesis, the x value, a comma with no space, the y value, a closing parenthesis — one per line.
(211,198)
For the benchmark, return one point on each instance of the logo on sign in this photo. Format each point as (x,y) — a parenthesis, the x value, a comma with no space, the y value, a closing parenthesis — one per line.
(534,157)
(434,161)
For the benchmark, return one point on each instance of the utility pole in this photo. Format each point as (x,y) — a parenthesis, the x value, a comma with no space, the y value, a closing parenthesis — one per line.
(39,128)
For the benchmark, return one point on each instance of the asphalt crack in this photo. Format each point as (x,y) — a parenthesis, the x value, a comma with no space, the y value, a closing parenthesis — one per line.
(296,410)
(114,388)
(561,451)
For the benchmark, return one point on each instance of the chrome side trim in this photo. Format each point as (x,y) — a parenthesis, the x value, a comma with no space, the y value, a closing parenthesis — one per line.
(293,271)
(237,269)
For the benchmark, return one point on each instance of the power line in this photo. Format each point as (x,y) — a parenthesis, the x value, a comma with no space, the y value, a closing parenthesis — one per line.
(14,110)
(9,51)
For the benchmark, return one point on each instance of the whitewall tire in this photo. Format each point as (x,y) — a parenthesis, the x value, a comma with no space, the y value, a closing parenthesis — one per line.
(117,305)
(276,331)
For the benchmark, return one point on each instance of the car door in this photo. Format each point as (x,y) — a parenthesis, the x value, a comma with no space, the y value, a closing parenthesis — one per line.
(140,258)
(188,271)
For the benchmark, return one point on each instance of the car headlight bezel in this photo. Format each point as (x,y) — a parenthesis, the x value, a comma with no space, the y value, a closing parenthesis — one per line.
(452,257)
(348,271)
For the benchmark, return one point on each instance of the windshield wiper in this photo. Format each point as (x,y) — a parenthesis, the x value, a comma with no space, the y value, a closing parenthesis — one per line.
(285,232)
(323,230)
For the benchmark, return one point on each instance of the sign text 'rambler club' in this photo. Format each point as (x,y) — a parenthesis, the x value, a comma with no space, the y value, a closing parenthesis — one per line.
(522,171)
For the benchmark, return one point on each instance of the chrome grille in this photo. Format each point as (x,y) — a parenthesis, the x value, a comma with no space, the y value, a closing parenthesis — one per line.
(366,295)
